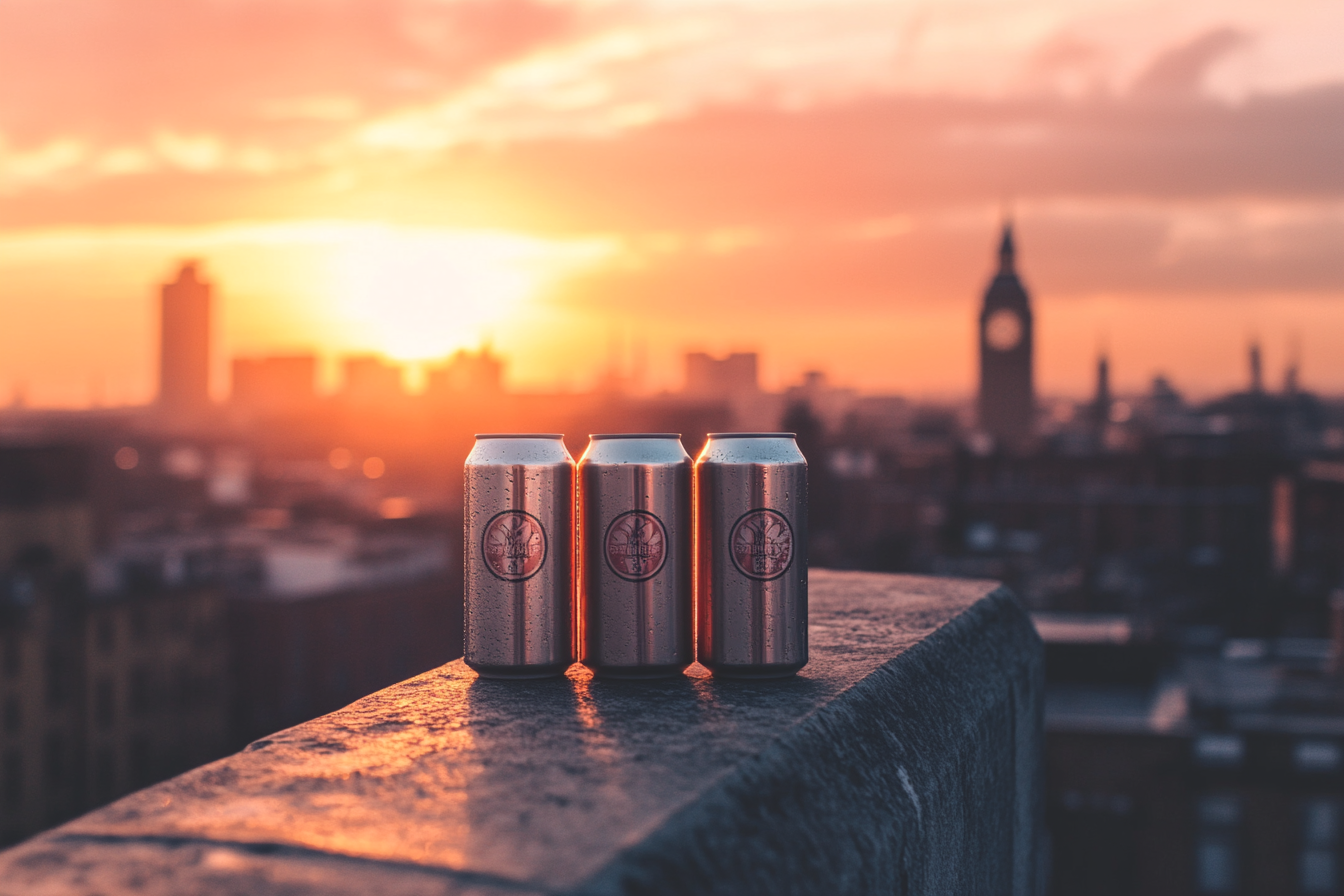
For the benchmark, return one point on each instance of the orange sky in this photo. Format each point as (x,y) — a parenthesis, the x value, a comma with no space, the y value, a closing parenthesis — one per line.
(820,180)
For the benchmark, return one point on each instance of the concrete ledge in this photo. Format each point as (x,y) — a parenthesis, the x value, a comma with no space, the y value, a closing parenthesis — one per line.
(905,758)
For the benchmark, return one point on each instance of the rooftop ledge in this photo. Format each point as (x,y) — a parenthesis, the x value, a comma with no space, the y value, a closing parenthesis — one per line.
(905,758)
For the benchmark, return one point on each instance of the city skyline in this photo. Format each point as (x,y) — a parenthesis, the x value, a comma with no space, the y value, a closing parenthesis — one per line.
(624,361)
(818,182)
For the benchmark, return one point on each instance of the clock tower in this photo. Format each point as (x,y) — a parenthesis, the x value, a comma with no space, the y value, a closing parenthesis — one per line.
(1007,399)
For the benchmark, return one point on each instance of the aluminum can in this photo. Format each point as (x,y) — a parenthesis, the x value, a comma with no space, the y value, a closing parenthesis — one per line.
(519,551)
(751,555)
(635,576)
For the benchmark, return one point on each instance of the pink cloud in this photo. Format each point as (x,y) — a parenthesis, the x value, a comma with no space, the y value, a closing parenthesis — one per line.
(119,69)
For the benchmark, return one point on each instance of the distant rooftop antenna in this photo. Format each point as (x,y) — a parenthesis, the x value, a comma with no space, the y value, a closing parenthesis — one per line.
(1007,248)
(1290,374)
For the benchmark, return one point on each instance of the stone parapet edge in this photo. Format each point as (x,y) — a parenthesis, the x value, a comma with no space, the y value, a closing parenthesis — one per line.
(924,777)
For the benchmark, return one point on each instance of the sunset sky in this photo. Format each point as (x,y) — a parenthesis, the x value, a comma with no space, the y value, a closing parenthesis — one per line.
(819,180)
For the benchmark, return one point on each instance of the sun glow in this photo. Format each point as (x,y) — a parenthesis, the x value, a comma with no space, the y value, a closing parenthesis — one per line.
(417,295)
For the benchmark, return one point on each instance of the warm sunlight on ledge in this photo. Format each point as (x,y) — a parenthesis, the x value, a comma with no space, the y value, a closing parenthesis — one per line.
(905,757)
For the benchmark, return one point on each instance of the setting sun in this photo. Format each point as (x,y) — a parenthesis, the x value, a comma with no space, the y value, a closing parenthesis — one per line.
(416,295)
(81,300)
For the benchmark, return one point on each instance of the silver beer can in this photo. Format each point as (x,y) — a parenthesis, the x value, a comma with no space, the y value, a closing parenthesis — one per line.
(751,555)
(519,551)
(635,578)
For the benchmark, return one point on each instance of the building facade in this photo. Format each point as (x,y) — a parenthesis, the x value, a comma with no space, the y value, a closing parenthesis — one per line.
(184,343)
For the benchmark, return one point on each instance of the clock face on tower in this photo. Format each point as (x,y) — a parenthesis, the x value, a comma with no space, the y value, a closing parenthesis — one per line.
(1003,330)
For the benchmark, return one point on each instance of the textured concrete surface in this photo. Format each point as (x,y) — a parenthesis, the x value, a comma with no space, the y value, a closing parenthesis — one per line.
(905,758)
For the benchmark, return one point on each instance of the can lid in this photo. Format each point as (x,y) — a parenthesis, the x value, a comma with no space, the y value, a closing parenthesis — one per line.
(752,435)
(519,435)
(596,436)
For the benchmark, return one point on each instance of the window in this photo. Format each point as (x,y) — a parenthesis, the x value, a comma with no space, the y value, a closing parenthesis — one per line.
(1318,863)
(1225,750)
(1216,861)
(1217,865)
(1317,870)
(1316,756)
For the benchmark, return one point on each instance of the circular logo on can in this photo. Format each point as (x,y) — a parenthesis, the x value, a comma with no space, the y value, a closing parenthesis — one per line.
(636,545)
(762,544)
(514,545)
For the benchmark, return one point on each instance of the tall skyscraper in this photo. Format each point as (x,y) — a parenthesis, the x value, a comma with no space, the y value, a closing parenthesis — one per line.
(1007,398)
(184,343)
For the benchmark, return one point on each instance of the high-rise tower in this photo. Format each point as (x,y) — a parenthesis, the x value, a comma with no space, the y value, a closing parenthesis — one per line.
(184,343)
(1007,397)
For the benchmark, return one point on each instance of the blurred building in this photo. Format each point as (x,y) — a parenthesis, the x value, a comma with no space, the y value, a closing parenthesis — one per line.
(472,374)
(304,654)
(275,384)
(735,374)
(733,381)
(830,403)
(184,343)
(1229,512)
(45,504)
(45,540)
(1199,765)
(157,681)
(371,380)
(1007,395)
(41,699)
(283,621)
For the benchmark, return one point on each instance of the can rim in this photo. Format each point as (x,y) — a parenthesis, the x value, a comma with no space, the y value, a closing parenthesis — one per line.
(519,435)
(599,436)
(752,435)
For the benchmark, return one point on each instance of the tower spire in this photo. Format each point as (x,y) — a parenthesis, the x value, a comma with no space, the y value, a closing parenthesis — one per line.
(1007,251)
(1101,404)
